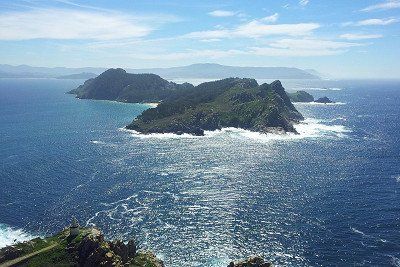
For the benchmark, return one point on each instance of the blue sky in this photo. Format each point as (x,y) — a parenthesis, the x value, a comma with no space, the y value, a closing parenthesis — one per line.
(343,38)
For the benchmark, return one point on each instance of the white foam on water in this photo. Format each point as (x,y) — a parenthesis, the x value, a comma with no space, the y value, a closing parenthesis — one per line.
(309,128)
(395,261)
(10,235)
(152,105)
(319,104)
(97,142)
(323,88)
(397,178)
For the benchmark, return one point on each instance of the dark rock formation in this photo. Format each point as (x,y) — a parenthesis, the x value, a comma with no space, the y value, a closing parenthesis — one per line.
(251,262)
(301,96)
(9,253)
(324,100)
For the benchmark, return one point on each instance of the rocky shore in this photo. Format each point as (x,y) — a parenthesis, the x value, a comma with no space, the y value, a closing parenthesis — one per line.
(87,248)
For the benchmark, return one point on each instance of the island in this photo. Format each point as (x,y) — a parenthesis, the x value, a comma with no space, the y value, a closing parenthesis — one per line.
(231,102)
(87,246)
(118,85)
(184,108)
(301,96)
(324,100)
(304,97)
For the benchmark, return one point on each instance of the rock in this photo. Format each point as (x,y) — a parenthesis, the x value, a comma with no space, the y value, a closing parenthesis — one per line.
(301,96)
(324,100)
(132,248)
(254,261)
(125,251)
(9,253)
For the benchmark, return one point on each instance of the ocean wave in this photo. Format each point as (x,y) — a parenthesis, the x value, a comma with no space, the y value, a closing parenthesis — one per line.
(322,89)
(319,104)
(395,261)
(152,105)
(10,235)
(97,142)
(309,128)
(158,135)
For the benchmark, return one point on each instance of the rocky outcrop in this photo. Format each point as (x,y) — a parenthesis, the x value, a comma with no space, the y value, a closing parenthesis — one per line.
(9,253)
(301,96)
(324,100)
(88,248)
(251,262)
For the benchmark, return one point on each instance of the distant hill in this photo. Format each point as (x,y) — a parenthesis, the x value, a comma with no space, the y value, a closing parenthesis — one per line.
(117,84)
(25,71)
(216,71)
(196,71)
(82,75)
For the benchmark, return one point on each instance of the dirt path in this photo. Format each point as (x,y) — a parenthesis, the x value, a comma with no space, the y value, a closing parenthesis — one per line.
(27,256)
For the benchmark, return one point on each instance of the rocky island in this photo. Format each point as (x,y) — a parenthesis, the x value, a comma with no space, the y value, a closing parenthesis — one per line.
(301,96)
(118,85)
(231,102)
(324,100)
(304,97)
(184,108)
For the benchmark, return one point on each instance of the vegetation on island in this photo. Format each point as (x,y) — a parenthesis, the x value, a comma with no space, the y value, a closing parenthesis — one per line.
(231,102)
(118,85)
(184,108)
(88,248)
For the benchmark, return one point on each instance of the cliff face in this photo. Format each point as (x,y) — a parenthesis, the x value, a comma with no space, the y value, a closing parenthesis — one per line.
(231,102)
(116,84)
(88,248)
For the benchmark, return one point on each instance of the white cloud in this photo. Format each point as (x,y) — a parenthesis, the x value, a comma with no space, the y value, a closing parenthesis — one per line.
(74,24)
(376,22)
(279,48)
(371,22)
(311,44)
(256,29)
(303,48)
(391,4)
(190,54)
(222,13)
(354,36)
(272,18)
(304,2)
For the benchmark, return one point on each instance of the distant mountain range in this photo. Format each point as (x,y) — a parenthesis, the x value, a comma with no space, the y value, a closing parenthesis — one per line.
(216,71)
(196,71)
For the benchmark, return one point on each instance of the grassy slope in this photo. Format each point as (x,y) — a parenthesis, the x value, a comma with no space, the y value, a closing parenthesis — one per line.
(59,255)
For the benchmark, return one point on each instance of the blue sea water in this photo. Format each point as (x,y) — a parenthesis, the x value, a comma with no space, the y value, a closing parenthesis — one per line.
(329,196)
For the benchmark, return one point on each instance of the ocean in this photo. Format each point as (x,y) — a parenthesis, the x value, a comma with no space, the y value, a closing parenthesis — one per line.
(327,197)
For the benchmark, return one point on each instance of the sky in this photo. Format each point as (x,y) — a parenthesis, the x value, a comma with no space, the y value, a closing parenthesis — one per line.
(341,38)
